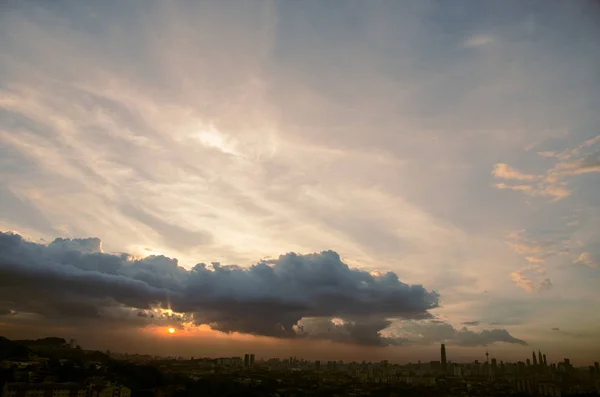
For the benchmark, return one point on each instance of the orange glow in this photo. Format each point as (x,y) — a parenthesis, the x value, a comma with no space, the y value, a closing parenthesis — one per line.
(171,330)
(192,331)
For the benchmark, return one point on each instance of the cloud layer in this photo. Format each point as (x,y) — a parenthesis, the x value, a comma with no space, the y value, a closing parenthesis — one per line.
(268,298)
(311,296)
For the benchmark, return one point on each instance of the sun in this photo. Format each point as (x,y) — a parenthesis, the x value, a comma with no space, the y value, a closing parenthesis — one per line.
(171,330)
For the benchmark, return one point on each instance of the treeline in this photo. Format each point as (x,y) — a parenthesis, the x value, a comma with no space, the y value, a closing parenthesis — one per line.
(13,350)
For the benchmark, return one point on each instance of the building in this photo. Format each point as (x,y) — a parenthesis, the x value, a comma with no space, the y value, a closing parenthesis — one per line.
(457,371)
(443,353)
(251,359)
(44,390)
(109,391)
(535,363)
(246,360)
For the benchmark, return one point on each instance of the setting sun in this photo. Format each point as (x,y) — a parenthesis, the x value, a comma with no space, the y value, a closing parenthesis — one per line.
(171,330)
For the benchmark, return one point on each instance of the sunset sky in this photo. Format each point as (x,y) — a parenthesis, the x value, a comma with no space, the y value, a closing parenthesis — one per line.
(385,176)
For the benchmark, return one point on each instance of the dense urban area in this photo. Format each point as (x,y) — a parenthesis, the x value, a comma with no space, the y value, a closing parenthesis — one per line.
(54,367)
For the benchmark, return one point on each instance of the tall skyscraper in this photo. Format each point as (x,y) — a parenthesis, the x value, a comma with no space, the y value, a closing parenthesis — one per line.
(251,359)
(540,359)
(545,362)
(246,360)
(443,349)
(534,359)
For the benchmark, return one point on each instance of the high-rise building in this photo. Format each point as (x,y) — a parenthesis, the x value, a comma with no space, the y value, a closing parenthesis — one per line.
(246,360)
(443,352)
(545,362)
(528,361)
(317,365)
(540,359)
(251,359)
(534,359)
(597,366)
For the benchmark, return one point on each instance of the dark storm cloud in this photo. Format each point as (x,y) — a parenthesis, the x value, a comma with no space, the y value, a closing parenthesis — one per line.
(363,332)
(81,245)
(74,279)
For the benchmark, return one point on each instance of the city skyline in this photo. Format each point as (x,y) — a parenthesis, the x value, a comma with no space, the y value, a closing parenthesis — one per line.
(352,179)
(33,369)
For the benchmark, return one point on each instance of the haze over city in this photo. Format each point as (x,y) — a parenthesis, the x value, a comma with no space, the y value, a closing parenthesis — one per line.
(355,180)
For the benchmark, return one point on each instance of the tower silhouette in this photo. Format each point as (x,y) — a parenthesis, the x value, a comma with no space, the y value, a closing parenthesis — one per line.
(443,352)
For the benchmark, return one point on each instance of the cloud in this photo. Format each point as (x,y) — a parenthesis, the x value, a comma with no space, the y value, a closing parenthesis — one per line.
(587,259)
(364,332)
(82,245)
(420,332)
(478,41)
(175,235)
(533,277)
(554,181)
(471,323)
(520,188)
(533,259)
(7,312)
(589,163)
(504,171)
(573,334)
(72,279)
(523,281)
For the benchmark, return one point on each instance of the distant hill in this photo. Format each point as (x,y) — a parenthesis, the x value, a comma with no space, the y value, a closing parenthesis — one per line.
(44,342)
(51,347)
(13,350)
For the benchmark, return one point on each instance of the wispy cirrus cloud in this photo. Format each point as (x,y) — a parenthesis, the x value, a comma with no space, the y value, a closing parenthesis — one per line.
(524,282)
(554,182)
(504,171)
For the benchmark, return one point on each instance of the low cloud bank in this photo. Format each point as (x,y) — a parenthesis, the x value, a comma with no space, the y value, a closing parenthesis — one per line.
(293,296)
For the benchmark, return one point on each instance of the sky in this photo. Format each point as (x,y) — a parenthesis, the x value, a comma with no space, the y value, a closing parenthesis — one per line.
(343,180)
